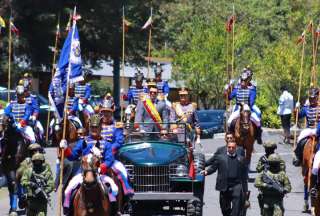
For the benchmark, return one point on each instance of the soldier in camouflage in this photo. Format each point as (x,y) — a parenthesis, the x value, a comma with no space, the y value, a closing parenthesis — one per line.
(39,183)
(273,184)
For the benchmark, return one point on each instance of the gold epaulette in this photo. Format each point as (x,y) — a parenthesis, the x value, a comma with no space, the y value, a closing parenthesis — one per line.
(119,125)
(194,105)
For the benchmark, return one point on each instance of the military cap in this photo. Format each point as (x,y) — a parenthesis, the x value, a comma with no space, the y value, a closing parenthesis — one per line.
(38,156)
(269,144)
(183,91)
(34,146)
(151,84)
(274,158)
(95,120)
(19,89)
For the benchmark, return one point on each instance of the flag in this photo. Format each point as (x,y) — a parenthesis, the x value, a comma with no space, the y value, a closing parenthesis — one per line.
(2,23)
(69,68)
(14,29)
(229,23)
(302,38)
(148,23)
(68,27)
(126,24)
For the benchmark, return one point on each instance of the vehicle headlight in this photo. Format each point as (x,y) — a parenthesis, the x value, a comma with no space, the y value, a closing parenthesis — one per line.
(181,170)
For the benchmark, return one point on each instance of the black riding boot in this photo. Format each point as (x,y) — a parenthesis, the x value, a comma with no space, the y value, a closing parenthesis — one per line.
(313,186)
(259,135)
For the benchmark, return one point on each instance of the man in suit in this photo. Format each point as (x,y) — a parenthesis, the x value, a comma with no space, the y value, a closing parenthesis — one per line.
(152,110)
(232,179)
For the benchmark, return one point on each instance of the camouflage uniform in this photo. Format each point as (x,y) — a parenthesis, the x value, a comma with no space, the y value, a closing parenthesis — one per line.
(272,199)
(36,198)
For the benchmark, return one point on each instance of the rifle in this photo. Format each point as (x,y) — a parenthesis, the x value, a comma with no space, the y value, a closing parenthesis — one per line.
(40,183)
(274,184)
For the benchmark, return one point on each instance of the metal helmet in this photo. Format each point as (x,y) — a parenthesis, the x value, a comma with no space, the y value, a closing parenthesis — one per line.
(274,158)
(138,76)
(95,120)
(313,92)
(244,76)
(158,69)
(20,90)
(34,146)
(38,157)
(107,104)
(27,75)
(270,144)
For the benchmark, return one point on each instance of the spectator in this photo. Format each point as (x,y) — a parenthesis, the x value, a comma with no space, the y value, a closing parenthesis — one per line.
(284,111)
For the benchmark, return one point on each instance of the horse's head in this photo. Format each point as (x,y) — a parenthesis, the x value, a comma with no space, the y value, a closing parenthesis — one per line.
(245,114)
(89,164)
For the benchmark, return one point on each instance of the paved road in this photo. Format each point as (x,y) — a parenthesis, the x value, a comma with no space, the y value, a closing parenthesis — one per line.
(293,201)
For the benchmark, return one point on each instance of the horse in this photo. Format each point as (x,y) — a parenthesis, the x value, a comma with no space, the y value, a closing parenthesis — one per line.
(245,131)
(90,199)
(13,152)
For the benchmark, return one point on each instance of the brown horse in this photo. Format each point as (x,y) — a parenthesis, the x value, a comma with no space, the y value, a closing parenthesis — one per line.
(90,199)
(245,131)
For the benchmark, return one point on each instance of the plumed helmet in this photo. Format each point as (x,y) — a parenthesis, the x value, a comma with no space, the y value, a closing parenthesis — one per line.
(95,120)
(34,146)
(158,69)
(38,157)
(20,90)
(274,158)
(313,92)
(270,144)
(107,104)
(244,76)
(138,76)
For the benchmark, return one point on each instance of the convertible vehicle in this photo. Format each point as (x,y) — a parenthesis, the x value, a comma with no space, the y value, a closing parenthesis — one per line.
(165,172)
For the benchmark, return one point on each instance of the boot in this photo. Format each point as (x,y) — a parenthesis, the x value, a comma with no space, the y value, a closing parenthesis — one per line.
(296,162)
(313,186)
(258,136)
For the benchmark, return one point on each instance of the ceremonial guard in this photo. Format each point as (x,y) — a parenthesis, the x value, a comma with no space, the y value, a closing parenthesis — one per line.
(185,112)
(20,111)
(112,133)
(73,107)
(245,93)
(312,113)
(162,85)
(92,144)
(137,90)
(39,183)
(273,184)
(83,92)
(151,109)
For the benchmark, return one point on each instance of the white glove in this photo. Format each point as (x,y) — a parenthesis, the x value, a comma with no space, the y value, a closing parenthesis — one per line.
(297,104)
(231,82)
(63,144)
(198,140)
(226,87)
(95,151)
(33,118)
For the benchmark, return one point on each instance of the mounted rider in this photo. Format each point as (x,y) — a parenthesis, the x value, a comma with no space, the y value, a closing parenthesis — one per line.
(83,92)
(185,112)
(245,93)
(92,144)
(73,107)
(162,85)
(112,133)
(152,110)
(33,100)
(311,112)
(136,90)
(20,111)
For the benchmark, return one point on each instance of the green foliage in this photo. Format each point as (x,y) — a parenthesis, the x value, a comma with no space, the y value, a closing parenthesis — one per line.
(99,87)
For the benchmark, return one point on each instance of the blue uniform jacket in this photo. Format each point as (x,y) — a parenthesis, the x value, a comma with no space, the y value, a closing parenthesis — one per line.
(27,112)
(114,137)
(84,146)
(34,104)
(131,93)
(252,95)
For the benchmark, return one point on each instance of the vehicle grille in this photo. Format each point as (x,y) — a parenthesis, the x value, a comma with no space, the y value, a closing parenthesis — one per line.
(150,179)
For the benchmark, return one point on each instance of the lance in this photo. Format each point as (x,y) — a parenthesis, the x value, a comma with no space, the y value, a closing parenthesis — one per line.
(299,88)
(234,23)
(122,75)
(65,117)
(149,45)
(9,56)
(55,52)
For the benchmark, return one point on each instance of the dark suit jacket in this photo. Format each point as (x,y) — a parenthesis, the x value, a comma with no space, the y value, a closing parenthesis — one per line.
(220,162)
(223,149)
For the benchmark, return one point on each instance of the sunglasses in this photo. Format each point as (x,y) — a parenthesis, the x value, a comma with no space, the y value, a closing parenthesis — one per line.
(153,92)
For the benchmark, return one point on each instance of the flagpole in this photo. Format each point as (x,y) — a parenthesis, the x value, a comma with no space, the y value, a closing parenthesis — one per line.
(65,117)
(299,91)
(122,75)
(149,45)
(234,24)
(52,73)
(9,57)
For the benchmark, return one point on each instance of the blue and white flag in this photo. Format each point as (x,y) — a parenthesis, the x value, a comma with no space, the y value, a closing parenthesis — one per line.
(69,69)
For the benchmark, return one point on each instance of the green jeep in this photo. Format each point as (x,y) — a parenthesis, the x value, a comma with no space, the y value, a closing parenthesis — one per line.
(161,172)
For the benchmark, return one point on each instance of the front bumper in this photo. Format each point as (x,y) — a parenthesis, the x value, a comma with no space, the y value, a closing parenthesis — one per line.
(139,196)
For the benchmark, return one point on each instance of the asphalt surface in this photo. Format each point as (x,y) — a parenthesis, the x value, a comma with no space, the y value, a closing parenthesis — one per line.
(293,202)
